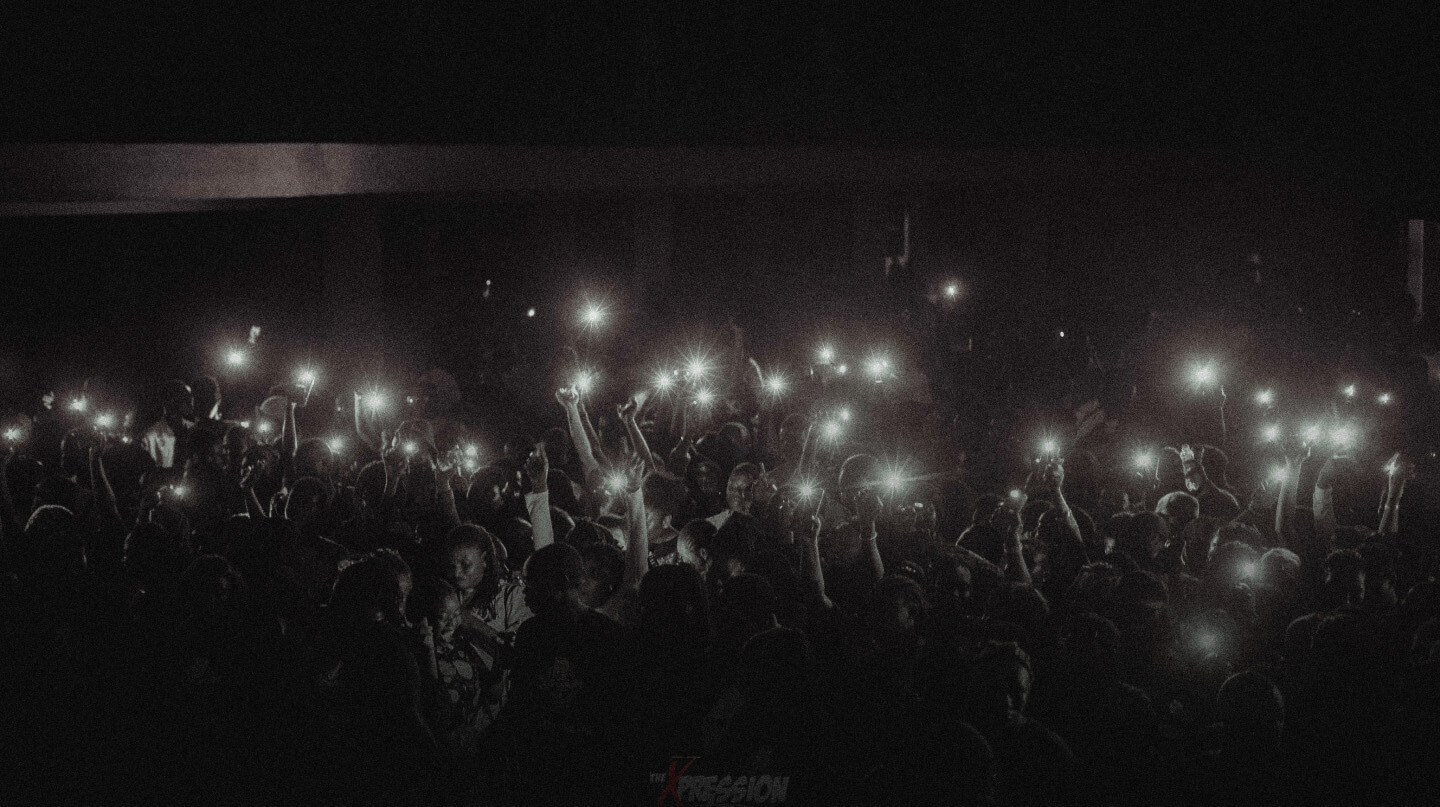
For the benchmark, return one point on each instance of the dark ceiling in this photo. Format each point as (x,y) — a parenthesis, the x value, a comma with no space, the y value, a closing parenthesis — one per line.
(1346,95)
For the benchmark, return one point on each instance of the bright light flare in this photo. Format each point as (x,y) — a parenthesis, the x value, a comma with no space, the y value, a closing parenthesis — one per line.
(696,368)
(79,405)
(1349,391)
(1278,474)
(472,451)
(1311,433)
(530,312)
(616,482)
(1049,447)
(704,397)
(1265,397)
(375,400)
(952,290)
(844,413)
(336,445)
(1203,374)
(1342,437)
(180,491)
(878,367)
(1250,570)
(826,354)
(307,377)
(1270,433)
(584,381)
(807,490)
(1384,399)
(831,430)
(1144,460)
(894,481)
(664,380)
(842,369)
(235,358)
(775,385)
(12,434)
(410,447)
(1015,494)
(592,315)
(104,420)
(263,427)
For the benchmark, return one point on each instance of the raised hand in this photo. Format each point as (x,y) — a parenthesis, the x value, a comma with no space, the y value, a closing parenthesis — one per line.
(567,397)
(868,506)
(537,469)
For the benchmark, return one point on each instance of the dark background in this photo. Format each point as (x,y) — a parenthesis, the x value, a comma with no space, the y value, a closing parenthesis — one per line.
(1324,123)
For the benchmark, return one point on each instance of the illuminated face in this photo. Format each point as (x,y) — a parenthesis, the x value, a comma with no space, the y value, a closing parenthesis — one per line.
(449,618)
(465,568)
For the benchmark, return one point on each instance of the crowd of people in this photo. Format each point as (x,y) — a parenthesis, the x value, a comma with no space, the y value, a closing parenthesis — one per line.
(731,586)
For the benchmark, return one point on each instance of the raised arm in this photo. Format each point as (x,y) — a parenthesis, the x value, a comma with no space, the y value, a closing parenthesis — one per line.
(810,567)
(100,484)
(370,439)
(1398,472)
(637,545)
(537,501)
(869,511)
(627,413)
(590,433)
(569,400)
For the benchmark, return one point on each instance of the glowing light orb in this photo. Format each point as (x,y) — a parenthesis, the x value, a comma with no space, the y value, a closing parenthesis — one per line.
(1312,433)
(1279,474)
(235,358)
(105,420)
(410,447)
(1383,399)
(842,369)
(79,404)
(1349,391)
(1144,460)
(336,445)
(1271,433)
(592,315)
(1203,374)
(1049,446)
(826,354)
(263,427)
(375,400)
(775,384)
(844,413)
(1265,397)
(472,451)
(664,381)
(12,434)
(952,290)
(530,312)
(831,430)
(584,381)
(704,397)
(307,377)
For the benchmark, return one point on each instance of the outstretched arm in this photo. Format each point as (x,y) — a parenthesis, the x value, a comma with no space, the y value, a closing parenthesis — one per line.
(537,501)
(637,546)
(570,401)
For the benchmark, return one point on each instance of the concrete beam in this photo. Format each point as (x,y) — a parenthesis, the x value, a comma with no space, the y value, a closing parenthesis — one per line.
(79,174)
